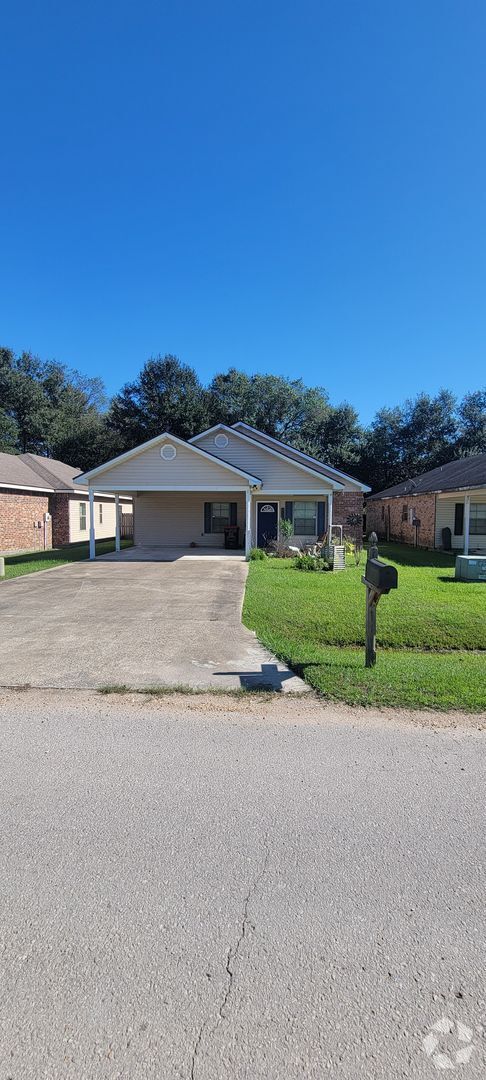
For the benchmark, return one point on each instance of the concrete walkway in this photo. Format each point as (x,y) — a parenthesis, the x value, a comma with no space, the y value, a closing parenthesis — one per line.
(134,620)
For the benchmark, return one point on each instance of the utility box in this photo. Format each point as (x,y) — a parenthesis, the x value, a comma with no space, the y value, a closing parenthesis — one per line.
(471,567)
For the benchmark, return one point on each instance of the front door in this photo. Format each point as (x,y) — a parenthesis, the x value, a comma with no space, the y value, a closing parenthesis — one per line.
(267,523)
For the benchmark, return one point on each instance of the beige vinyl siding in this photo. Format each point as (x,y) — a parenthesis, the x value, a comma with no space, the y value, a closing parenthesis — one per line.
(445,514)
(295,456)
(106,529)
(187,469)
(176,518)
(275,472)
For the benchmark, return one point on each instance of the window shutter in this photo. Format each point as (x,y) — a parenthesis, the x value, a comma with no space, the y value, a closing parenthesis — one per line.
(289,511)
(233,513)
(459,519)
(207,517)
(320,518)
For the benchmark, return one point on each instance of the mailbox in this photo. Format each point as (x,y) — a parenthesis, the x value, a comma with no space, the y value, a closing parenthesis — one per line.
(381,576)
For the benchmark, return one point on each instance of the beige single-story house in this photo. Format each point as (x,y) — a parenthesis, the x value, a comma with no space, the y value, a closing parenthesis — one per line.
(188,493)
(444,508)
(41,507)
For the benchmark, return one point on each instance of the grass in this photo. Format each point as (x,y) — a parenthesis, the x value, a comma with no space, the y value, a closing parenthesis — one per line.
(17,565)
(431,632)
(168,689)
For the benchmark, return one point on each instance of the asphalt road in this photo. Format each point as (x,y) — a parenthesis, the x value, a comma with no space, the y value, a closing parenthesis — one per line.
(234,890)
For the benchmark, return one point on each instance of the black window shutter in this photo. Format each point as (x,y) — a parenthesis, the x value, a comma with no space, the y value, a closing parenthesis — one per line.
(207,517)
(459,519)
(320,518)
(233,513)
(289,511)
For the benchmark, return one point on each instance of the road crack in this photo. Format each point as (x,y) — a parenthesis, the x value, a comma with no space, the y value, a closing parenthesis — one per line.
(231,959)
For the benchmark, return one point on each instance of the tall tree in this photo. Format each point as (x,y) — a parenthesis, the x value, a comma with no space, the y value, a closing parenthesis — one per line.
(472,423)
(167,396)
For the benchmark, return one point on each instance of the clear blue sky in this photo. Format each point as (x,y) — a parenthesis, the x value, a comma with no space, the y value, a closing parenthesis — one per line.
(297,188)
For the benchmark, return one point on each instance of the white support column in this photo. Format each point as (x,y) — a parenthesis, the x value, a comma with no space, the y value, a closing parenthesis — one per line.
(117,522)
(248,523)
(329,516)
(92,546)
(467,514)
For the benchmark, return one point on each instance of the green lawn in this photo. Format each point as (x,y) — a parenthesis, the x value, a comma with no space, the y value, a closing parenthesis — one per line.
(431,632)
(16,565)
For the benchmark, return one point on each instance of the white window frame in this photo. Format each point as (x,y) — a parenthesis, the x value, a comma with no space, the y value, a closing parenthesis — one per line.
(220,502)
(100,513)
(305,502)
(472,532)
(83,524)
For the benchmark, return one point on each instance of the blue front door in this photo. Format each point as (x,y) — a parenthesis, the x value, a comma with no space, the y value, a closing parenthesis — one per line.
(267,523)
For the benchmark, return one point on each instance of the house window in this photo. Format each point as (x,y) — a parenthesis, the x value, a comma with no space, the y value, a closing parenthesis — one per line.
(383,513)
(405,512)
(101,513)
(305,519)
(220,516)
(458,519)
(477,519)
(82,517)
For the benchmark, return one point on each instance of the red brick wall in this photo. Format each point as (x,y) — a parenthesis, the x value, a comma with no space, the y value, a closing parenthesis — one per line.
(60,519)
(384,517)
(18,511)
(345,503)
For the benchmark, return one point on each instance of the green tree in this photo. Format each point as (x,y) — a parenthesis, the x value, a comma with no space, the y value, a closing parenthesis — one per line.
(472,423)
(167,396)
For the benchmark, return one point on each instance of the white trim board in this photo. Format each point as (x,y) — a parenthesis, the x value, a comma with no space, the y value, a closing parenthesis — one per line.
(206,489)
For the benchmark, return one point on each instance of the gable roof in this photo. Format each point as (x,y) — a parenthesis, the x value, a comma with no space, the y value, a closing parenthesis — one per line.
(213,458)
(16,472)
(55,473)
(292,453)
(469,472)
(289,453)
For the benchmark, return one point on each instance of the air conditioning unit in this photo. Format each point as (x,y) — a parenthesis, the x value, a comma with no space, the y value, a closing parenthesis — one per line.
(471,567)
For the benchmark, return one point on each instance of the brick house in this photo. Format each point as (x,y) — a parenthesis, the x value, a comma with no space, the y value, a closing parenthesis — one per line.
(443,509)
(40,507)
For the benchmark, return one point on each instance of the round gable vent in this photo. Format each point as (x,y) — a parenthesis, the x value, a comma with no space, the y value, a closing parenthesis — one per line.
(221,441)
(168,452)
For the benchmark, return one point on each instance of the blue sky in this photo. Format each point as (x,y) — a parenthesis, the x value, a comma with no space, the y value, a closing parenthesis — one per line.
(298,188)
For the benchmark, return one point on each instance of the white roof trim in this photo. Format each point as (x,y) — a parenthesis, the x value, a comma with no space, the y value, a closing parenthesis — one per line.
(337,472)
(28,487)
(335,484)
(84,478)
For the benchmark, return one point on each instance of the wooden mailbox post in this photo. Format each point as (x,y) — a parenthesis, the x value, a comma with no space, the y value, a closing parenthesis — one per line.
(379,578)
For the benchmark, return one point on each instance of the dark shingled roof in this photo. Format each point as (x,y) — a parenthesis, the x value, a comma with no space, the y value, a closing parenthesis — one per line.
(35,472)
(468,472)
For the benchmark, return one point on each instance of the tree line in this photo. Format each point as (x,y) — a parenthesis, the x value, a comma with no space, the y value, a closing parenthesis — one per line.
(49,409)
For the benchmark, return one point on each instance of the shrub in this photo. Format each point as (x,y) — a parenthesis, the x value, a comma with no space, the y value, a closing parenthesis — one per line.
(257,553)
(311,563)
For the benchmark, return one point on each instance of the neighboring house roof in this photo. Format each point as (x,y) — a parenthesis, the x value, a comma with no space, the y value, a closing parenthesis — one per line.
(16,472)
(32,472)
(91,474)
(55,473)
(458,475)
(289,453)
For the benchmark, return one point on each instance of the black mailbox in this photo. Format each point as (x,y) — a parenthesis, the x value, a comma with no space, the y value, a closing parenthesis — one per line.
(381,575)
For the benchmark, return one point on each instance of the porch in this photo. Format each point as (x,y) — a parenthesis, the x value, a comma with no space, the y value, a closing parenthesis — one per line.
(171,524)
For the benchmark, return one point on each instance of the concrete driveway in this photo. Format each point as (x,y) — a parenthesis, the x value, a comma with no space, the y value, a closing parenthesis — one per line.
(134,621)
